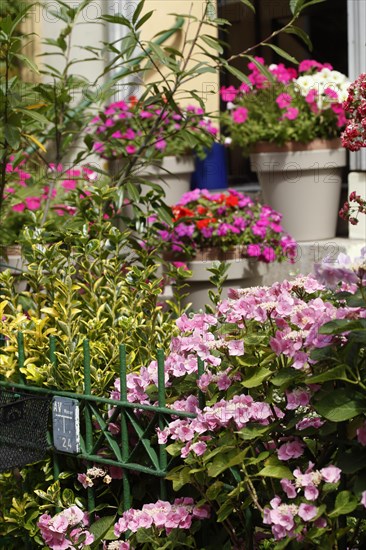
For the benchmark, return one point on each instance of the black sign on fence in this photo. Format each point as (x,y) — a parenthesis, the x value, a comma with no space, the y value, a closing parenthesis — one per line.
(66,426)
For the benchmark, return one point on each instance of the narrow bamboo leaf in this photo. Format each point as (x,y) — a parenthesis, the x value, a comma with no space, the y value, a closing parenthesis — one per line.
(295,6)
(164,215)
(117,20)
(212,43)
(22,12)
(301,34)
(12,136)
(249,4)
(143,19)
(239,75)
(27,62)
(133,191)
(307,3)
(282,53)
(34,115)
(137,11)
(158,51)
(35,140)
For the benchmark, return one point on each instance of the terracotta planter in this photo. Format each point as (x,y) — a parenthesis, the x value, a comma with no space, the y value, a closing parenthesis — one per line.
(172,173)
(242,273)
(303,182)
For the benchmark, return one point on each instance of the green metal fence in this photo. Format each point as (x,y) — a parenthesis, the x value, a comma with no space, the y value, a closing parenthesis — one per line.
(140,456)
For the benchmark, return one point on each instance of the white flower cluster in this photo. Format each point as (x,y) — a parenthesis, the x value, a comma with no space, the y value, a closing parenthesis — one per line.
(322,81)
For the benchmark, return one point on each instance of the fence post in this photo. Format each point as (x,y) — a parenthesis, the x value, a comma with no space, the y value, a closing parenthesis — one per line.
(124,426)
(161,400)
(53,359)
(21,355)
(87,415)
(200,371)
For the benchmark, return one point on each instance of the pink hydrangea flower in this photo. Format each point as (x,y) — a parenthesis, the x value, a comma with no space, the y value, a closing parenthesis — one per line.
(307,512)
(331,474)
(291,449)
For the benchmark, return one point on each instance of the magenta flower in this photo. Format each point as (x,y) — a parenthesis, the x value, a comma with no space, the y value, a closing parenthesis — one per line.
(292,113)
(283,100)
(131,149)
(240,115)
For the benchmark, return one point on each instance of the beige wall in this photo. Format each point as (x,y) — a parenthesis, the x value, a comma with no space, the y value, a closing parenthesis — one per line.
(207,86)
(87,32)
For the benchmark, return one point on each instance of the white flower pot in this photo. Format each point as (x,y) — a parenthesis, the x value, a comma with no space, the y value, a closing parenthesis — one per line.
(242,273)
(304,185)
(172,173)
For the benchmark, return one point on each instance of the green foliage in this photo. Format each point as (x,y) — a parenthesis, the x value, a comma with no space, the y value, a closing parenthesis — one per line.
(89,284)
(20,507)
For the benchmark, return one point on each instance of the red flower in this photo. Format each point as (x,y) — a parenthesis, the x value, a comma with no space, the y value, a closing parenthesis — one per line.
(204,223)
(181,212)
(133,101)
(231,200)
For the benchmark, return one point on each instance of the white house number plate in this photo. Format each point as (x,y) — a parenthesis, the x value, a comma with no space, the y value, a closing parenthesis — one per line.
(66,426)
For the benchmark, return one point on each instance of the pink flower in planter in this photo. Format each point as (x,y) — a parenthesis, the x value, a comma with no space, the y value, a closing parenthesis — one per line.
(20,207)
(292,113)
(283,100)
(240,115)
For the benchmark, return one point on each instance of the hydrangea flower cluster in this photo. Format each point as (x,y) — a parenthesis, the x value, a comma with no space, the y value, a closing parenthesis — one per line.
(66,529)
(264,409)
(279,104)
(350,271)
(162,515)
(234,413)
(291,520)
(124,128)
(224,221)
(354,135)
(29,188)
